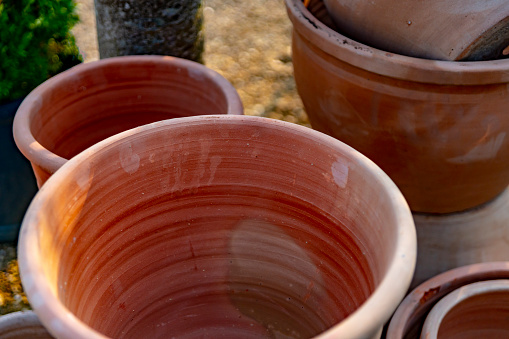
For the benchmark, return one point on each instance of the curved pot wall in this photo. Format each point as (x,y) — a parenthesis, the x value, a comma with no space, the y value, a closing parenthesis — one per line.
(439,129)
(478,310)
(409,318)
(22,325)
(217,226)
(93,101)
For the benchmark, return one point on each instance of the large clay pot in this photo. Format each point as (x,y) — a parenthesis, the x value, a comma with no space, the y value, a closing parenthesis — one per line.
(409,318)
(437,128)
(22,325)
(478,310)
(93,101)
(219,226)
(433,29)
(458,239)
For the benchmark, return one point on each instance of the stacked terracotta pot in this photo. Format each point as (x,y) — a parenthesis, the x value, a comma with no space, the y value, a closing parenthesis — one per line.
(200,225)
(438,128)
(466,302)
(22,325)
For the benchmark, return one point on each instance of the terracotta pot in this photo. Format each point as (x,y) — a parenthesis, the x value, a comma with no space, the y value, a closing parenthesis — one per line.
(409,318)
(442,30)
(478,310)
(90,102)
(22,325)
(458,239)
(219,226)
(438,128)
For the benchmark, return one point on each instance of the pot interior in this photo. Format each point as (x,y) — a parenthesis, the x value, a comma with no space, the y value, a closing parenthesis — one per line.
(215,227)
(94,101)
(320,12)
(480,316)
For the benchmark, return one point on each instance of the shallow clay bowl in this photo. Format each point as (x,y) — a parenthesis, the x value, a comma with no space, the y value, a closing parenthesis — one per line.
(409,318)
(436,29)
(478,310)
(92,101)
(219,226)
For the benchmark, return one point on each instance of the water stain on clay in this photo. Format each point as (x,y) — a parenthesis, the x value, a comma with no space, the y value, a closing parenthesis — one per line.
(130,161)
(482,152)
(340,173)
(215,160)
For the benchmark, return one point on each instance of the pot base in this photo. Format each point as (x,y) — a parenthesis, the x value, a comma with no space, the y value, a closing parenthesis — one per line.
(452,240)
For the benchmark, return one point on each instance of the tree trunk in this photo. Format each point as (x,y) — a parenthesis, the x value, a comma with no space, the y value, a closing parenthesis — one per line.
(161,27)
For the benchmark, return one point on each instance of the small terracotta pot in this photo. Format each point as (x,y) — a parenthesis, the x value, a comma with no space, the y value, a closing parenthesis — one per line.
(90,102)
(409,318)
(451,240)
(22,325)
(478,310)
(439,129)
(219,226)
(436,29)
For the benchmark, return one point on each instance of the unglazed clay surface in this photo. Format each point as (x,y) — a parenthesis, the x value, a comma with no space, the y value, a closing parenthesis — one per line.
(409,318)
(458,239)
(478,310)
(22,325)
(433,29)
(439,129)
(219,226)
(93,101)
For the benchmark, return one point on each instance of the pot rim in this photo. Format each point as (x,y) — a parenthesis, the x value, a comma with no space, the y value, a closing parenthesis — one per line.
(417,304)
(378,307)
(446,304)
(51,162)
(390,64)
(25,317)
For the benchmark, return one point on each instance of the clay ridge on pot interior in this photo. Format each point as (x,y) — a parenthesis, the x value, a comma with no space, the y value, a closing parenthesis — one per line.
(437,128)
(216,226)
(93,101)
(409,318)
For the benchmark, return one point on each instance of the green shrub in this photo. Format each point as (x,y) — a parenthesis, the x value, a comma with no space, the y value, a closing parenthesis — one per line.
(35,43)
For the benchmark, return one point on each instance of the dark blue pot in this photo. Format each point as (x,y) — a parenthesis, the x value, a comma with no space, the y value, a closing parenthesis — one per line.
(17,181)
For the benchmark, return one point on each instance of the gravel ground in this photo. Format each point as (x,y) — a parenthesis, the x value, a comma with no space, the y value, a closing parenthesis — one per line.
(248,42)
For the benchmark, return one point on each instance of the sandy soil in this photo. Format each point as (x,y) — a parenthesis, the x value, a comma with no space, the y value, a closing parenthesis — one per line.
(248,42)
